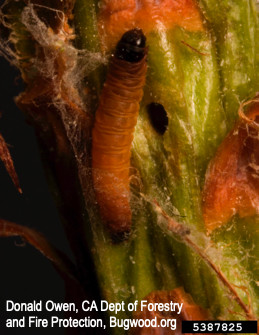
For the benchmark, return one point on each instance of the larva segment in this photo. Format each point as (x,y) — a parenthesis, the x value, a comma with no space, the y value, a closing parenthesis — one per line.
(113,130)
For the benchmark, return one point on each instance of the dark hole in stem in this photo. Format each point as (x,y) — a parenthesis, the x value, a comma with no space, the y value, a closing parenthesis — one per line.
(158,117)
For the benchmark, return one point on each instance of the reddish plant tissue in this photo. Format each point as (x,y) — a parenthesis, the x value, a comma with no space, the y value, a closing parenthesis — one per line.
(190,311)
(119,16)
(232,180)
(6,158)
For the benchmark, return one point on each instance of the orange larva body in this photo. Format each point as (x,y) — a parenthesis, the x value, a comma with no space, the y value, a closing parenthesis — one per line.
(112,137)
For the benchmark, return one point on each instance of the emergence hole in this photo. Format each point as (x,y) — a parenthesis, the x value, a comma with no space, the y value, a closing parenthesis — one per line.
(158,117)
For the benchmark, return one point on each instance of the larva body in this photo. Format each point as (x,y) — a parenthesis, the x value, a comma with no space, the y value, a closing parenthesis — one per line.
(113,130)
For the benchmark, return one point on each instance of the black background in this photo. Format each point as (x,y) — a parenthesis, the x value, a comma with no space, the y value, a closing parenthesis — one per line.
(25,275)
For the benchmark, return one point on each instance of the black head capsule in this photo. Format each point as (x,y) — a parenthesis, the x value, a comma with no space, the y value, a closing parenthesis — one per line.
(132,46)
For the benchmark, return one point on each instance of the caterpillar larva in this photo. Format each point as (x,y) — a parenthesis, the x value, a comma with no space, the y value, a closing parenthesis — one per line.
(113,130)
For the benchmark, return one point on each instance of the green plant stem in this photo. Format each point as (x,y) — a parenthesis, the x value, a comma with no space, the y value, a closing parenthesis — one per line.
(234,26)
